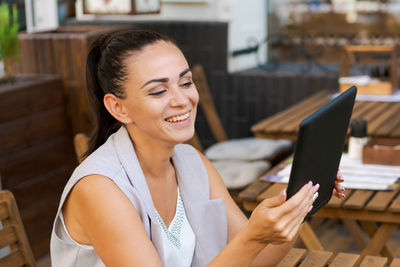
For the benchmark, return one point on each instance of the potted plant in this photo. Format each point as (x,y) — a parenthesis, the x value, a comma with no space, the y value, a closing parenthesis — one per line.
(8,35)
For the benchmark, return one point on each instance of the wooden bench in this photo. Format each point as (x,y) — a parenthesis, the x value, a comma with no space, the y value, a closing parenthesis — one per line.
(302,258)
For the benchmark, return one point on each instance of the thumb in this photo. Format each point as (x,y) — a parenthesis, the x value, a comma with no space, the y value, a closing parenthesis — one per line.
(276,200)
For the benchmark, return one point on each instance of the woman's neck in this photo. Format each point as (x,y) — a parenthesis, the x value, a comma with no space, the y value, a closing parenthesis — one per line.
(154,155)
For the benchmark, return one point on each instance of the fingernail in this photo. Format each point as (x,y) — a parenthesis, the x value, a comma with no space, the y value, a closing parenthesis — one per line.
(315,196)
(341,188)
(316,187)
(310,208)
(342,195)
(309,185)
(283,192)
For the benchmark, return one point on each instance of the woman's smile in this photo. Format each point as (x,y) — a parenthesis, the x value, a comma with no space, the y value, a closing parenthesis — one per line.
(183,118)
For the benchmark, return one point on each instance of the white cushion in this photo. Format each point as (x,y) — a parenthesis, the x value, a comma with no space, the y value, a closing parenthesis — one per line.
(247,149)
(238,174)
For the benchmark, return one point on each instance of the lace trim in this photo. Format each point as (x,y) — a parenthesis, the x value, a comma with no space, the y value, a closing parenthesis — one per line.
(174,234)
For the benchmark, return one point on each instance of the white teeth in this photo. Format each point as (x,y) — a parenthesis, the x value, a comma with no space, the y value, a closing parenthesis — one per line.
(178,118)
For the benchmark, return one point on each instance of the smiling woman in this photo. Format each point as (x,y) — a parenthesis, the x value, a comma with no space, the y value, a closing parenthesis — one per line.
(141,198)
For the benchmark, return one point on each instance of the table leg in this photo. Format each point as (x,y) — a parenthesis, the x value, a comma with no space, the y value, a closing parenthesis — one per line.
(356,232)
(371,229)
(309,238)
(379,239)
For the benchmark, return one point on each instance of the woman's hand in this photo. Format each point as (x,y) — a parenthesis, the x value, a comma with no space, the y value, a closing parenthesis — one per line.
(339,189)
(276,220)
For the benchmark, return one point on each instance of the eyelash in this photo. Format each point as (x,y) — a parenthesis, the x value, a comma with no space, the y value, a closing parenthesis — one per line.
(188,84)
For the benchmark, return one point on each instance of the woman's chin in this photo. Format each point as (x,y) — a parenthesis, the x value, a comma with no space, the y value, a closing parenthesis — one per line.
(183,137)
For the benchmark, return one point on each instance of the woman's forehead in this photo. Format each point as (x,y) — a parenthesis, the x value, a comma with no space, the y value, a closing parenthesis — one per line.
(158,60)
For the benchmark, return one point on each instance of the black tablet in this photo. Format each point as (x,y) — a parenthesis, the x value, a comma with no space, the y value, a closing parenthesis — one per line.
(319,147)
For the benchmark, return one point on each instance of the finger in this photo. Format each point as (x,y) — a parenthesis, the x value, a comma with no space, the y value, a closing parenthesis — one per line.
(339,188)
(302,195)
(295,223)
(294,207)
(274,201)
(339,177)
(338,194)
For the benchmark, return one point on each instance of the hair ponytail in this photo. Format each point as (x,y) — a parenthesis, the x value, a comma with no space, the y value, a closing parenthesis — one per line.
(104,123)
(106,73)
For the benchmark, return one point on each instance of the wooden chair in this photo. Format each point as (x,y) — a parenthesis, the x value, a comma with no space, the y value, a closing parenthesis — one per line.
(81,145)
(207,104)
(12,234)
(208,107)
(303,258)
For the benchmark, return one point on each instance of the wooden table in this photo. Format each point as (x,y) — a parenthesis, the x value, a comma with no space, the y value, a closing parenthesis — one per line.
(364,206)
(383,118)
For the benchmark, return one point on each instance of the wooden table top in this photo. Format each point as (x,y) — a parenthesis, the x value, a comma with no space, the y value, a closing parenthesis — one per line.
(368,205)
(383,118)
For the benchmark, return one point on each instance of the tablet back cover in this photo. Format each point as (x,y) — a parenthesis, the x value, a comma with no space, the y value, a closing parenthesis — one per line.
(319,147)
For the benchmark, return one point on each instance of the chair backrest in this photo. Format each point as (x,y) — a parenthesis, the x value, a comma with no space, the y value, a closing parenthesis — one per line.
(207,104)
(81,145)
(12,234)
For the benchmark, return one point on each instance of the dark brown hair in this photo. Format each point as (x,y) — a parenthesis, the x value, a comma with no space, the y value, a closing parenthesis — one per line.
(106,73)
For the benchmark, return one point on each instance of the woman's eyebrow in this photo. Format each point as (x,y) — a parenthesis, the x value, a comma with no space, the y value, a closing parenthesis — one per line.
(184,72)
(164,80)
(160,80)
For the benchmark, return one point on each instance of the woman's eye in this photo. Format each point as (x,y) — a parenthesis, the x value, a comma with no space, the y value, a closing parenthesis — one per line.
(158,92)
(187,84)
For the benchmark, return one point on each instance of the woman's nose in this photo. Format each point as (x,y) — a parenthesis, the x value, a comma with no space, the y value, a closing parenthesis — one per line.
(178,98)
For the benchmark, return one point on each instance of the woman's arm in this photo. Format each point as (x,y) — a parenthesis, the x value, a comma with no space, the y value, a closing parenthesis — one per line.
(266,237)
(97,212)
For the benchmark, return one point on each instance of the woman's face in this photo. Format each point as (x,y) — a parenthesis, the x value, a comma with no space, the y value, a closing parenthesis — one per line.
(161,98)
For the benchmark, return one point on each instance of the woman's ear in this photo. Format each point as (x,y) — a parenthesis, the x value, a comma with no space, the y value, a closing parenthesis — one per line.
(116,108)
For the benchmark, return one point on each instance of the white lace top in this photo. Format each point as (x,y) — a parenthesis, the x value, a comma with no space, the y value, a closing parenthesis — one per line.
(178,240)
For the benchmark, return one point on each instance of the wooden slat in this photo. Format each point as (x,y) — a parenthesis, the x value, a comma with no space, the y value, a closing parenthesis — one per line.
(396,131)
(375,112)
(390,124)
(381,118)
(3,211)
(381,200)
(344,260)
(356,232)
(285,113)
(272,191)
(373,261)
(316,258)
(292,258)
(293,124)
(360,108)
(378,242)
(360,215)
(15,258)
(395,263)
(7,236)
(395,206)
(336,202)
(358,199)
(369,48)
(371,228)
(301,113)
(251,192)
(309,238)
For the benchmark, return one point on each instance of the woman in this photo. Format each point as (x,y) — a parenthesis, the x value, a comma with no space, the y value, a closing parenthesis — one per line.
(141,198)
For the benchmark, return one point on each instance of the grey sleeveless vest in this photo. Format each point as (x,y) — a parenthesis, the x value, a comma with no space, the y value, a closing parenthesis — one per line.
(117,160)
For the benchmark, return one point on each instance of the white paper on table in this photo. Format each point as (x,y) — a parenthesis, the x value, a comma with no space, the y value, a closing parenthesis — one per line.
(356,175)
(395,97)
